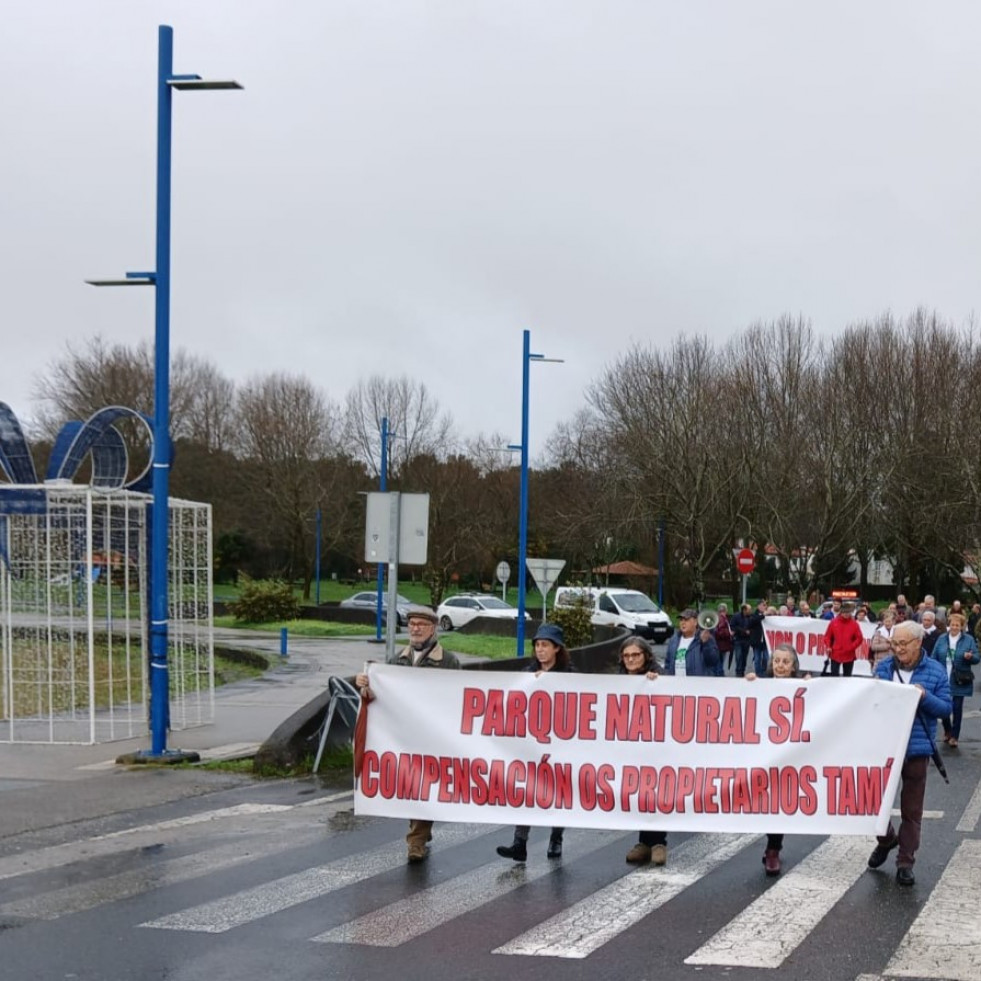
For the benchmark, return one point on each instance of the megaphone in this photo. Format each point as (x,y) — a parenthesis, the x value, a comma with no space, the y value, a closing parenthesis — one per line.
(708,620)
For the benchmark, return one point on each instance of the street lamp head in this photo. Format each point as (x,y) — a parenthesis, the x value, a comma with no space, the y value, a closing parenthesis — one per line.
(121,282)
(201,84)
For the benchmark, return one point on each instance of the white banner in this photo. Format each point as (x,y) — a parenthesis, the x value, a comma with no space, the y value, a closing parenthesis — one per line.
(610,751)
(807,636)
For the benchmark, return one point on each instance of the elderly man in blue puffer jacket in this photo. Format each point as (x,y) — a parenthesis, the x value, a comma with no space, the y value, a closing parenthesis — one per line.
(910,665)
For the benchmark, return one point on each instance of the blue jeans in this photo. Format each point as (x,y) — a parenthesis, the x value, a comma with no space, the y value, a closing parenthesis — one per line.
(760,660)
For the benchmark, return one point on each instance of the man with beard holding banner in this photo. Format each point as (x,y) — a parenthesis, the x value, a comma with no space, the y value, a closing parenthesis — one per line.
(910,665)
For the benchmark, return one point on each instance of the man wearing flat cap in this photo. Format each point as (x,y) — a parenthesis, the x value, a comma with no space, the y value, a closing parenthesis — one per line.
(423,651)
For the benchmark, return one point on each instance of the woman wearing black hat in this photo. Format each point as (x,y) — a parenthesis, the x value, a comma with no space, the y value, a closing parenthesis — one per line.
(550,655)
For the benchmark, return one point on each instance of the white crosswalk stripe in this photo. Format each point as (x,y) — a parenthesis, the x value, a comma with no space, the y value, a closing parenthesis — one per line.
(125,885)
(599,918)
(945,939)
(273,897)
(407,919)
(941,944)
(771,928)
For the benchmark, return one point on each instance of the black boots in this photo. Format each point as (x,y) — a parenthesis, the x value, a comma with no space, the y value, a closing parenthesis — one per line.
(518,850)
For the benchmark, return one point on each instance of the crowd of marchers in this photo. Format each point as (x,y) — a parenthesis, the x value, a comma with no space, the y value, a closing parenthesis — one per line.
(929,648)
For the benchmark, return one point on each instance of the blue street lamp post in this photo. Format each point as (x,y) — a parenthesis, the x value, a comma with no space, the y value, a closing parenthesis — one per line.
(383,487)
(160,279)
(526,358)
(316,558)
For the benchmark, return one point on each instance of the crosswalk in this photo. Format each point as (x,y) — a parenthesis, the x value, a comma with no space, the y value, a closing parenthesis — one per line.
(385,908)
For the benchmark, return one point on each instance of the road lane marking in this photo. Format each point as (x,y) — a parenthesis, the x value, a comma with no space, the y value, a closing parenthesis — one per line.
(252,904)
(972,813)
(55,856)
(406,919)
(944,941)
(597,919)
(156,874)
(771,927)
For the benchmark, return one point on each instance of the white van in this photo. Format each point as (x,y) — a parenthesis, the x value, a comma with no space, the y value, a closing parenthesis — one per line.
(620,608)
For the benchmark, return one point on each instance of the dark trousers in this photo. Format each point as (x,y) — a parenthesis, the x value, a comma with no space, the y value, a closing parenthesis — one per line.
(521,832)
(911,794)
(760,660)
(742,653)
(844,668)
(774,842)
(652,838)
(952,726)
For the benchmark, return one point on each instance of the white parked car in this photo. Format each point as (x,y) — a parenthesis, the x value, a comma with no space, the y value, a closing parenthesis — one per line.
(458,610)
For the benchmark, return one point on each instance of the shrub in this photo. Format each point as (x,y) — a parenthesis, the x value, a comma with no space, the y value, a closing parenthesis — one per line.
(265,601)
(575,621)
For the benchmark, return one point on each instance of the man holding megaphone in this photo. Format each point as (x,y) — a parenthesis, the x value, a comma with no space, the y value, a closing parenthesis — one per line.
(693,652)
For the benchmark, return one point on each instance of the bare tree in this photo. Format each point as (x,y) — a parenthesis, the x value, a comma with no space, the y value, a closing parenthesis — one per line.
(287,429)
(416,423)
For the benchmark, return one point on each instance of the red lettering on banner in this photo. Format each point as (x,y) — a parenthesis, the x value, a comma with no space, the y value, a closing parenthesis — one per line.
(780,709)
(517,705)
(369,774)
(798,733)
(474,702)
(856,790)
(809,798)
(617,717)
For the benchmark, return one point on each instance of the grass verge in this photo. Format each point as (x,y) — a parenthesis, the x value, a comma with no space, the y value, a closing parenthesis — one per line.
(301,628)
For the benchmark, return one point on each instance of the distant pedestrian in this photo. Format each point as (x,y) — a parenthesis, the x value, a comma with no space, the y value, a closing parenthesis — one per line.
(843,638)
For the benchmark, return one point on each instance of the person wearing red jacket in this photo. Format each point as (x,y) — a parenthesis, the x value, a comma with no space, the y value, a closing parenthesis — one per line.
(843,638)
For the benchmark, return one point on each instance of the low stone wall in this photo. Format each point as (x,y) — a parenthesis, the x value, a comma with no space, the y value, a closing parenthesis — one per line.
(294,739)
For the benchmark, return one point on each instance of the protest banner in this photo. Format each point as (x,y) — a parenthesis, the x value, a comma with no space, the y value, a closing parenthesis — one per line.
(606,751)
(807,636)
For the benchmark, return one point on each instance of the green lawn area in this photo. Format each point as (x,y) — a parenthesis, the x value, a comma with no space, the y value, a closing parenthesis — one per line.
(301,628)
(479,644)
(415,592)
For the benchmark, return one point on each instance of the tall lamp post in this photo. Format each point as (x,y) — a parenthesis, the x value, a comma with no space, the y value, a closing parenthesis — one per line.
(159,278)
(526,358)
(383,487)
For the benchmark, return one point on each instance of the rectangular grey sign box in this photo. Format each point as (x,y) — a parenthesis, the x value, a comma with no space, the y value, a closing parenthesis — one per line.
(413,525)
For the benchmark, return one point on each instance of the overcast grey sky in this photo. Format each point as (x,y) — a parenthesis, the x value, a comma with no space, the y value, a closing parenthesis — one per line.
(404,185)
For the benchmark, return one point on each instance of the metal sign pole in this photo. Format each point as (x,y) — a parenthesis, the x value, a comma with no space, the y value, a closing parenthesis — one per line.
(392,613)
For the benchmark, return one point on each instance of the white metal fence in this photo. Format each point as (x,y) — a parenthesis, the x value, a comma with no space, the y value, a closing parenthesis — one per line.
(74,567)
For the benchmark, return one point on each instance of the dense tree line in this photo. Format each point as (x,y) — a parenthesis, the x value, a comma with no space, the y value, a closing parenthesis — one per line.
(863,444)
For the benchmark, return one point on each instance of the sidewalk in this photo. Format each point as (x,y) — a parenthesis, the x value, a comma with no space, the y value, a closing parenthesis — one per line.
(246,712)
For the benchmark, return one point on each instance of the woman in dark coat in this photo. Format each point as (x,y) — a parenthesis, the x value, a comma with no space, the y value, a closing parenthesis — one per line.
(550,655)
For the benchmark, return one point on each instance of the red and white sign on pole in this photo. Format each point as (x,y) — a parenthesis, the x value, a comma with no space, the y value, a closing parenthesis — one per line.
(745,564)
(745,561)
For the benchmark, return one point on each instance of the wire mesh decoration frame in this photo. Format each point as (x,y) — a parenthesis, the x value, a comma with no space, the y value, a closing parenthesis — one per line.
(74,634)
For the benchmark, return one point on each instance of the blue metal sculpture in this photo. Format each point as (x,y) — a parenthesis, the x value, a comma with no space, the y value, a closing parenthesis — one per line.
(97,436)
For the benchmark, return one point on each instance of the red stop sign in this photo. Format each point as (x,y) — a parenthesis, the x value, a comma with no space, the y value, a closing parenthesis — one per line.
(745,561)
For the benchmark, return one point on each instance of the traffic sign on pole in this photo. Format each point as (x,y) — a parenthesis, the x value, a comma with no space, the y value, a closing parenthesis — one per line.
(503,573)
(745,561)
(545,572)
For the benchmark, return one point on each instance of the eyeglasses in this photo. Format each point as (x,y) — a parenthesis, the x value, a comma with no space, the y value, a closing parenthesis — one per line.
(903,643)
(633,653)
